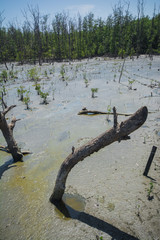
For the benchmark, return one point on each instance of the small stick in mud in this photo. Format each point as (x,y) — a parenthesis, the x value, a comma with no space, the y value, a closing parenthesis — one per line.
(122,70)
(150,159)
(116,133)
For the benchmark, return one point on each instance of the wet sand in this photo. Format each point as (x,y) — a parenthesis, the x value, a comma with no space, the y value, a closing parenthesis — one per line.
(107,193)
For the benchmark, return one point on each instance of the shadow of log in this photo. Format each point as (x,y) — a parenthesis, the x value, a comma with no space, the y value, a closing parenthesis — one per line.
(5,167)
(92,221)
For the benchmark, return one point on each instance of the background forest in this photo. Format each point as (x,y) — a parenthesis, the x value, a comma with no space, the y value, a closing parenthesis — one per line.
(120,34)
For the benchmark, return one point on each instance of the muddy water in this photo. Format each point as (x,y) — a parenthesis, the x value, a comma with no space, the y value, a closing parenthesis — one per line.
(49,132)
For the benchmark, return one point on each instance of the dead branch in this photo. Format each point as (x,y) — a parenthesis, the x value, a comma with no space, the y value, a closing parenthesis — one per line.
(6,110)
(94,112)
(6,149)
(120,133)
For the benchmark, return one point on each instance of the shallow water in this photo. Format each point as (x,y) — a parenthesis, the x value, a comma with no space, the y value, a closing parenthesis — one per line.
(49,132)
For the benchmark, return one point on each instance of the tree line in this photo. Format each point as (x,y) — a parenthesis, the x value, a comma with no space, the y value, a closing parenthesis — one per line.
(120,34)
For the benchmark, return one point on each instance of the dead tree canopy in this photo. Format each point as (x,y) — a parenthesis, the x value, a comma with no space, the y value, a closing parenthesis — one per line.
(7,131)
(117,133)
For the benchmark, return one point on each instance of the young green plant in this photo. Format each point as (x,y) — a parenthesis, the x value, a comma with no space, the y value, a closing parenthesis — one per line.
(20,92)
(26,99)
(94,90)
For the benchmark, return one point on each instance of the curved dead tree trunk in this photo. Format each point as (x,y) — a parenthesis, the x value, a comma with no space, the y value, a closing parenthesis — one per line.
(7,131)
(117,133)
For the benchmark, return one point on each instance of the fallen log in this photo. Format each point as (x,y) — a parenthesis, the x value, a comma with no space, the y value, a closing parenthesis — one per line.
(94,112)
(117,133)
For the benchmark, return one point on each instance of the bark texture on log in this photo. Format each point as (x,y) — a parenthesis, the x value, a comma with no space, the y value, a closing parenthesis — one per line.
(7,131)
(118,133)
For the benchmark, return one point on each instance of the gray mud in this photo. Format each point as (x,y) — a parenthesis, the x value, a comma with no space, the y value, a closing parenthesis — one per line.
(106,196)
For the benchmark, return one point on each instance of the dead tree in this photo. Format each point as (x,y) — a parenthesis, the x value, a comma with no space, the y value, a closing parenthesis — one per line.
(117,133)
(7,131)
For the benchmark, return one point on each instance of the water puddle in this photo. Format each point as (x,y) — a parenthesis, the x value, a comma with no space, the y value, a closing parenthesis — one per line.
(70,206)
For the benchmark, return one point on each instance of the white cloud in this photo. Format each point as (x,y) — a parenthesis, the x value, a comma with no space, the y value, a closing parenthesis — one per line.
(82,9)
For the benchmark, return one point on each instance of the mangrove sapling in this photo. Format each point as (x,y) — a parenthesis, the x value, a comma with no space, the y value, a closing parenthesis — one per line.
(46,74)
(33,74)
(150,65)
(130,83)
(26,99)
(62,72)
(21,92)
(44,96)
(12,75)
(109,109)
(150,190)
(38,88)
(4,76)
(85,80)
(94,90)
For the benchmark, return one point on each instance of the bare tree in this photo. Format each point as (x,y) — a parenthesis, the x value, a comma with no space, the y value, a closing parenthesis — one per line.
(34,24)
(7,131)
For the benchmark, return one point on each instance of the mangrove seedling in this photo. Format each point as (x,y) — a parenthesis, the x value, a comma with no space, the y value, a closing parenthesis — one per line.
(94,90)
(85,79)
(38,88)
(20,92)
(33,74)
(46,74)
(150,190)
(86,83)
(44,96)
(12,75)
(4,76)
(62,72)
(130,83)
(109,109)
(26,100)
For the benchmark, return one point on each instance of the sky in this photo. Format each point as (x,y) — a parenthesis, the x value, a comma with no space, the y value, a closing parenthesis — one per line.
(12,9)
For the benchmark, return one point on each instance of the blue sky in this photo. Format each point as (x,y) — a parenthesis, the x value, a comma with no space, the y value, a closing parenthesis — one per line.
(100,8)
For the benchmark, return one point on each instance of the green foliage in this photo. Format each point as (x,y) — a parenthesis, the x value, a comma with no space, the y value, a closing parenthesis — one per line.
(26,99)
(62,71)
(46,74)
(38,88)
(44,96)
(150,190)
(94,90)
(109,109)
(85,79)
(12,75)
(120,34)
(4,76)
(33,74)
(130,83)
(21,92)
